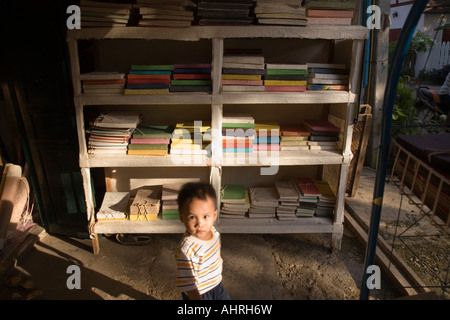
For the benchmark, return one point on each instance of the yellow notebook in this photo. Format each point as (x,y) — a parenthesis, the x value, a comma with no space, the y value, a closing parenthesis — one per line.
(240,77)
(285,82)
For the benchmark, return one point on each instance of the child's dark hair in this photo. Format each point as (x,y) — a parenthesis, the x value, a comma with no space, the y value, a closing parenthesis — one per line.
(195,190)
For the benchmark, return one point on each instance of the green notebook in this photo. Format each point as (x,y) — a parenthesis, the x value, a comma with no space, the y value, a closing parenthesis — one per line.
(233,193)
(153,131)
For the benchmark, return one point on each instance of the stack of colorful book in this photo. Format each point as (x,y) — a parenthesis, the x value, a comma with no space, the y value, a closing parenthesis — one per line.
(238,132)
(242,71)
(110,132)
(288,200)
(308,198)
(102,14)
(103,82)
(294,138)
(191,77)
(151,140)
(169,206)
(322,12)
(285,77)
(159,13)
(327,199)
(190,138)
(263,202)
(214,12)
(234,201)
(148,79)
(267,136)
(327,76)
(280,12)
(323,135)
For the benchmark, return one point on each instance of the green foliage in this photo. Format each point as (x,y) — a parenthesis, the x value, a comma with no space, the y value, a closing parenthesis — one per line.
(404,112)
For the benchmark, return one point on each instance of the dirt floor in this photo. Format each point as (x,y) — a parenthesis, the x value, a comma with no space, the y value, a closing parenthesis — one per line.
(256,267)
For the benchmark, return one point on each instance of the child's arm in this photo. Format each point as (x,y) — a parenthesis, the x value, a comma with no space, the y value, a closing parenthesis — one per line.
(194,295)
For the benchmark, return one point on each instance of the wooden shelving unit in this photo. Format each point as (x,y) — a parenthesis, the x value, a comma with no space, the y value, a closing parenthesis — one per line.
(307,44)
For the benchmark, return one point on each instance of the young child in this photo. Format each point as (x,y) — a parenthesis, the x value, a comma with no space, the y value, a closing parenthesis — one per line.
(199,263)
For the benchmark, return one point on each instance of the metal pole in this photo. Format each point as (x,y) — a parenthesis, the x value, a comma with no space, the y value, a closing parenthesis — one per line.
(388,102)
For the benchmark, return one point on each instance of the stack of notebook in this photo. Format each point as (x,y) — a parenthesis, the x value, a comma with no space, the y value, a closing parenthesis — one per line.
(308,198)
(190,138)
(114,206)
(148,79)
(267,136)
(323,134)
(214,12)
(159,13)
(288,200)
(280,12)
(285,77)
(103,82)
(263,202)
(242,71)
(327,76)
(327,199)
(110,132)
(102,14)
(294,138)
(330,12)
(146,204)
(237,132)
(152,140)
(169,206)
(191,77)
(234,201)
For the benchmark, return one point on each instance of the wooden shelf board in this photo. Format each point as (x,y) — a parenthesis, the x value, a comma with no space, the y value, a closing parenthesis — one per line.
(195,33)
(259,159)
(246,225)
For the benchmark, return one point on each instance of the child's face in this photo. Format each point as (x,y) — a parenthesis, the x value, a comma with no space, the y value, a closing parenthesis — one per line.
(199,218)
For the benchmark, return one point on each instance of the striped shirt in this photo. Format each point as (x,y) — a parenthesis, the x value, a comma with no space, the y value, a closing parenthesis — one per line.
(199,264)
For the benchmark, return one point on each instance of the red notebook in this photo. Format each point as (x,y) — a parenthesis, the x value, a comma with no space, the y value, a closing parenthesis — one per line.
(320,125)
(307,187)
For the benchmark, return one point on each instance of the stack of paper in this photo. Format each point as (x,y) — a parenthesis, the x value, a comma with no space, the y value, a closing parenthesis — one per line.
(327,76)
(309,194)
(148,79)
(102,14)
(267,136)
(165,13)
(238,132)
(114,206)
(280,12)
(263,202)
(327,199)
(191,77)
(151,140)
(323,134)
(234,200)
(110,132)
(190,138)
(286,77)
(288,200)
(294,138)
(242,71)
(214,12)
(103,82)
(146,204)
(322,12)
(169,206)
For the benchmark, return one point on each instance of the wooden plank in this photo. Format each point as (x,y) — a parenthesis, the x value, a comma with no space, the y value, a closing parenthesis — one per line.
(381,259)
(195,33)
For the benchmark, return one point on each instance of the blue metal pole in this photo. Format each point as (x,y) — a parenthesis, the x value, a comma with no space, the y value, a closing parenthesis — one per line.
(388,102)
